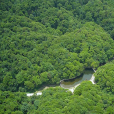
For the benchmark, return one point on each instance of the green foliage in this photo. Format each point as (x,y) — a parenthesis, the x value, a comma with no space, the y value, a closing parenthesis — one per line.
(45,41)
(37,53)
(10,102)
(104,77)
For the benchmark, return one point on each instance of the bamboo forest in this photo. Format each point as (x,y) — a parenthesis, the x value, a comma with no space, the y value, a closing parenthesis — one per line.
(46,43)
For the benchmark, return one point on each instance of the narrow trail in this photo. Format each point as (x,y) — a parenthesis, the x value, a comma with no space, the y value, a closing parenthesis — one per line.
(37,94)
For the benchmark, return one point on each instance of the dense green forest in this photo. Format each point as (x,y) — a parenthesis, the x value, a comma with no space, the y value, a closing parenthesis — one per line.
(45,41)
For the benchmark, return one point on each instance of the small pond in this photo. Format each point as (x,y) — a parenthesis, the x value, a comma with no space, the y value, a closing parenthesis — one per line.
(87,74)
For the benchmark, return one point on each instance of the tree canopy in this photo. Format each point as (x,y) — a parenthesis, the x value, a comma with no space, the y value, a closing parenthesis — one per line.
(45,41)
